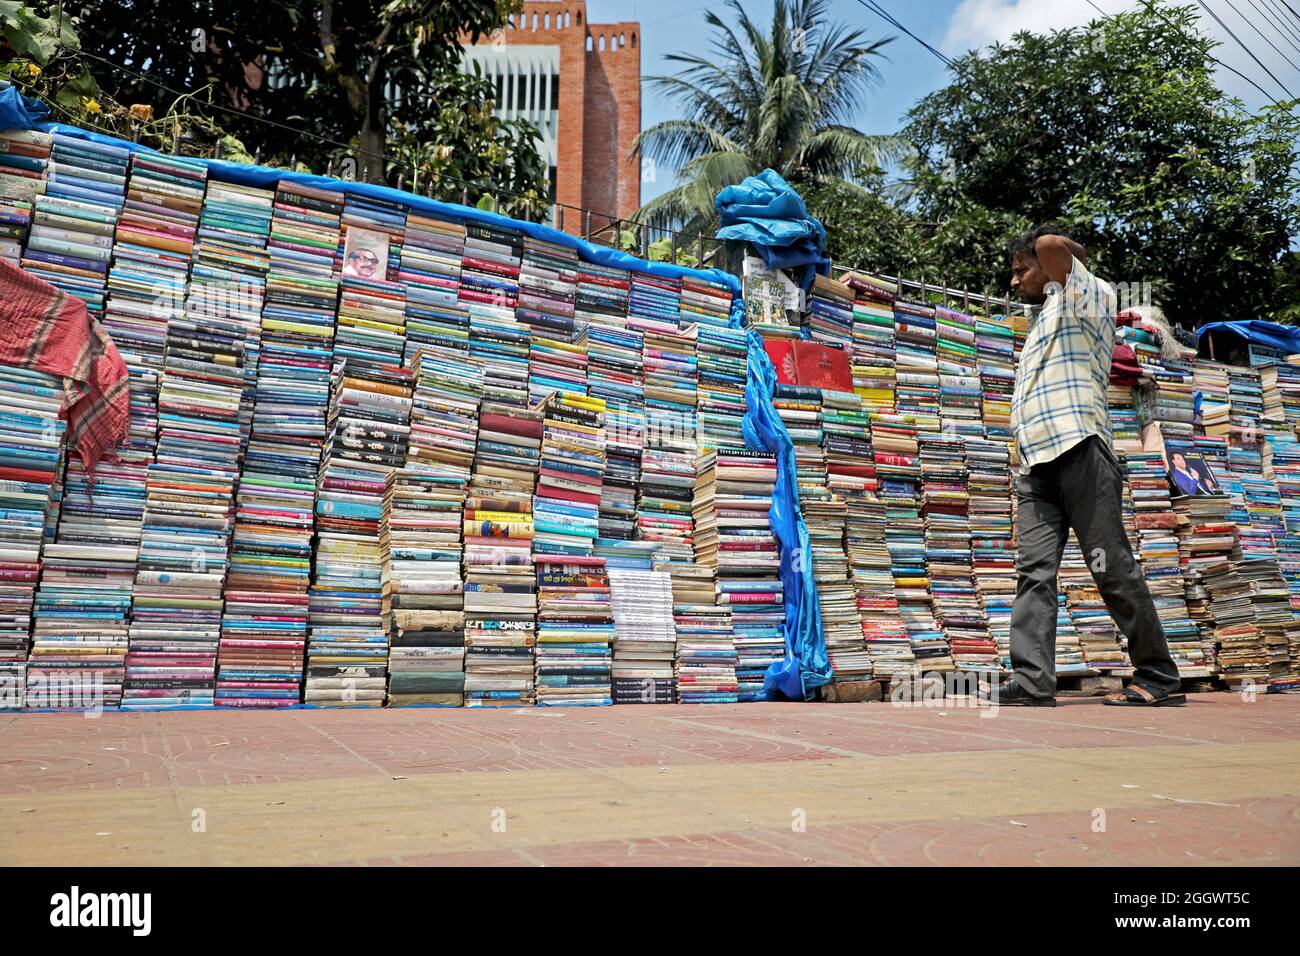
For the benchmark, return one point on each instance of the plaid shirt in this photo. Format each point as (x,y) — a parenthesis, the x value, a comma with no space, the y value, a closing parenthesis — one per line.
(1064,371)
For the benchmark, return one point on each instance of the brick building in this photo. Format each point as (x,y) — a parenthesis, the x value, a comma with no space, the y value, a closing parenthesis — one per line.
(579,83)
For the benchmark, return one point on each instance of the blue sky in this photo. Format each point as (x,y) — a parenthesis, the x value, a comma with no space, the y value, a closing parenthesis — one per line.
(952,26)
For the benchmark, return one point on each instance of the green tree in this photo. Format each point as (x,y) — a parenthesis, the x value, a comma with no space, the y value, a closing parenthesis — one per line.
(379,75)
(1117,131)
(780,100)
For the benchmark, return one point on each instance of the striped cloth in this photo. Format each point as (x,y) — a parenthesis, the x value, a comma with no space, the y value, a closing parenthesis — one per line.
(47,330)
(1064,370)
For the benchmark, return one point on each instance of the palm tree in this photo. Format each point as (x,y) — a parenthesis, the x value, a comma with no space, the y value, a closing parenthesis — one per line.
(776,100)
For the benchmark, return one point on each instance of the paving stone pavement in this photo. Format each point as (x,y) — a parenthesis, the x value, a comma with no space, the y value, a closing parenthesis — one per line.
(943,784)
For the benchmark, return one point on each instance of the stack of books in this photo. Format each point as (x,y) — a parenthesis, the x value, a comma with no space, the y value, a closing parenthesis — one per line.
(432,252)
(668,455)
(1211,380)
(1246,601)
(422,535)
(190,497)
(489,272)
(382,224)
(371,328)
(500,582)
(548,281)
(1098,638)
(732,498)
(917,389)
(152,248)
(995,353)
(883,630)
(800,410)
(872,353)
(705,302)
(614,375)
(1069,653)
(369,426)
(645,637)
(706,652)
(993,547)
(829,318)
(961,396)
(575,631)
(944,504)
(264,630)
(23,157)
(1206,536)
(655,297)
(566,508)
(30,461)
(70,242)
(836,595)
(721,355)
(601,290)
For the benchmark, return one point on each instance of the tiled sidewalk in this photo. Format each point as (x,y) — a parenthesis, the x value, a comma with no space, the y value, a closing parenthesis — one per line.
(1215,782)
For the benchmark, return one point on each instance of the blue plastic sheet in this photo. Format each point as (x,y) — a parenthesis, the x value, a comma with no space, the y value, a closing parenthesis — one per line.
(766,212)
(266,177)
(805,666)
(1285,338)
(18,111)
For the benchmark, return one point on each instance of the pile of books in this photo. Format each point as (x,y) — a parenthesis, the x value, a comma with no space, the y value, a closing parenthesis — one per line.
(829,318)
(1206,536)
(995,353)
(720,401)
(614,375)
(705,302)
(489,271)
(500,582)
(668,455)
(31,459)
(70,242)
(190,497)
(421,535)
(347,652)
(432,252)
(264,632)
(836,595)
(23,157)
(872,353)
(654,297)
(1246,599)
(645,637)
(993,549)
(800,410)
(733,494)
(961,395)
(575,631)
(566,508)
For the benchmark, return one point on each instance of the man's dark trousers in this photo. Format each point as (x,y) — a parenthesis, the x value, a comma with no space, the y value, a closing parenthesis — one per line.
(1082,489)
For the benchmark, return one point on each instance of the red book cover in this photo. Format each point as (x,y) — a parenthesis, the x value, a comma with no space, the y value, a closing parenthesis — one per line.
(819,366)
(781,352)
(526,427)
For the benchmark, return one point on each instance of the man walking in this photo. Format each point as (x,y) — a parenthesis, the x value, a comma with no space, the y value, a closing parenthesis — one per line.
(1070,478)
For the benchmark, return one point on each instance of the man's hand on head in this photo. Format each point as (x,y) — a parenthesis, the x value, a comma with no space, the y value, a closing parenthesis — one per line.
(1056,255)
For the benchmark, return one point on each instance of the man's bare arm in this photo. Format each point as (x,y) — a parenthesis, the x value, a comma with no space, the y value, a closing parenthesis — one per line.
(1056,255)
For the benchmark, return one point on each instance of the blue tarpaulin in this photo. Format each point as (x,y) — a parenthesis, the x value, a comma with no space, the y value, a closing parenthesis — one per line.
(767,213)
(18,111)
(266,177)
(1284,338)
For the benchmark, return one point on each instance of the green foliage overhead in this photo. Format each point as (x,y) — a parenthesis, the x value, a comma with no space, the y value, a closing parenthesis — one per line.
(380,76)
(1117,132)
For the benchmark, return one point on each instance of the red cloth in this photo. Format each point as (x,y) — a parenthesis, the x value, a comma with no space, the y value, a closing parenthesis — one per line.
(50,331)
(1124,367)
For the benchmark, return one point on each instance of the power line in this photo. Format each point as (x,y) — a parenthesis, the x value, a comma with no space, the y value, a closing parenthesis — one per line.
(1231,69)
(1292,9)
(1251,24)
(1219,21)
(1277,16)
(890,18)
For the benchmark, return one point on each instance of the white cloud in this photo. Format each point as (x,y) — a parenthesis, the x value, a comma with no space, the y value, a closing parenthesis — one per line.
(976,23)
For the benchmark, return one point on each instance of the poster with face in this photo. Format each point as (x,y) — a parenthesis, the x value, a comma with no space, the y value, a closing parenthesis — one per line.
(1192,474)
(365,254)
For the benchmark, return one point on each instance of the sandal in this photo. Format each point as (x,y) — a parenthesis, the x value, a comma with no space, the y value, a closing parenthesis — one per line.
(1135,695)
